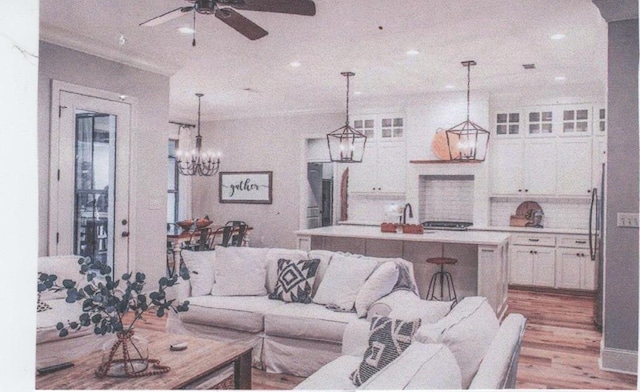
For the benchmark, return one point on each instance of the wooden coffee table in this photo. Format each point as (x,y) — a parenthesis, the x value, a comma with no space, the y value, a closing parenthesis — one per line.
(194,368)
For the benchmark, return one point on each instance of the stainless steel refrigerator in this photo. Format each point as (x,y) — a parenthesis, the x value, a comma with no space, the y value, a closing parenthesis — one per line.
(596,242)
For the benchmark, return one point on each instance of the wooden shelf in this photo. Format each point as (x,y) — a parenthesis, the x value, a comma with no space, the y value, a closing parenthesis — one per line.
(432,161)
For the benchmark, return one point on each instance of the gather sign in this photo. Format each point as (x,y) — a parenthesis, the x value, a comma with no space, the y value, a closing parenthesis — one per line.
(246,187)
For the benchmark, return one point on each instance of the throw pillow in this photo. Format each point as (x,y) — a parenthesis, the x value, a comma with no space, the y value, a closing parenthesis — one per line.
(42,306)
(342,281)
(201,275)
(379,284)
(388,338)
(295,280)
(239,271)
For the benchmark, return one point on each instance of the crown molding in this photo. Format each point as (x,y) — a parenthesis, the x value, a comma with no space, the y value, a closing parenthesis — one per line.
(82,43)
(617,10)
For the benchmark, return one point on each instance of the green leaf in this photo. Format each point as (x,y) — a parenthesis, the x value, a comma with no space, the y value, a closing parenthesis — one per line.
(63,332)
(163,281)
(73,325)
(126,276)
(140,277)
(160,312)
(68,284)
(59,326)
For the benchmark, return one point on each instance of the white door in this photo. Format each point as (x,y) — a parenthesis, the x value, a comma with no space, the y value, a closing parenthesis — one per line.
(89,187)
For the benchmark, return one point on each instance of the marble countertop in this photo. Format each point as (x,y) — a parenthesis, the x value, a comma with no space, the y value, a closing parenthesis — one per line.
(544,230)
(475,237)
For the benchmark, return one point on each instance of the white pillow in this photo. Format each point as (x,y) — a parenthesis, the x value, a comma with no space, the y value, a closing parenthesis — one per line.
(64,267)
(325,258)
(342,281)
(379,284)
(467,331)
(200,266)
(239,271)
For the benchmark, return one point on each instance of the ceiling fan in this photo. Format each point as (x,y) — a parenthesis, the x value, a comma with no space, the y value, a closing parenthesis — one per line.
(232,18)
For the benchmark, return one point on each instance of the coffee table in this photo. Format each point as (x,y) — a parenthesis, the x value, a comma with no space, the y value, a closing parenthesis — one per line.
(200,365)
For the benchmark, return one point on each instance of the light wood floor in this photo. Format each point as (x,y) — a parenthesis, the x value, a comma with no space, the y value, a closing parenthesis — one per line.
(560,348)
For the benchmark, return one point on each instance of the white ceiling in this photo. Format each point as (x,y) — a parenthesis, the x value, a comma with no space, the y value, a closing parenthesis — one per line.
(368,37)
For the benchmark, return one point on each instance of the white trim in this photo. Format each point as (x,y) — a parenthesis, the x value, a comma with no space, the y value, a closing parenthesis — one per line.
(617,360)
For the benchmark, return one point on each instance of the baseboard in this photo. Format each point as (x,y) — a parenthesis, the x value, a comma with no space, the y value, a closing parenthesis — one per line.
(617,360)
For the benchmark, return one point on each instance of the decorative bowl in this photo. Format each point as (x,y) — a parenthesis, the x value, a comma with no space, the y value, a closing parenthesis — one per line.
(185,224)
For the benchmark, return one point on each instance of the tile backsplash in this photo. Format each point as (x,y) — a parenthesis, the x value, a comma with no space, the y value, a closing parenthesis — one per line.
(372,207)
(571,213)
(446,197)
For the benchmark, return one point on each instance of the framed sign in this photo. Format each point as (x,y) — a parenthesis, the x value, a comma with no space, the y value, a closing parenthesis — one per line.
(246,187)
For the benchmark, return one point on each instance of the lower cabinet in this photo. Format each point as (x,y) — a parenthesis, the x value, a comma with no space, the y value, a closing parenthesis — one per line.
(559,261)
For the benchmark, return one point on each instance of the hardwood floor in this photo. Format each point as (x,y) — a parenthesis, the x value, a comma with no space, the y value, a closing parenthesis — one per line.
(560,348)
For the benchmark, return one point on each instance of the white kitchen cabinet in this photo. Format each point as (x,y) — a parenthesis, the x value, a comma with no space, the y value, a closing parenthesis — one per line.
(574,166)
(532,266)
(383,167)
(520,168)
(575,269)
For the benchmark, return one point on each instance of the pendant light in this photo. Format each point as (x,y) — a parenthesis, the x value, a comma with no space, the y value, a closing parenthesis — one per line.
(197,162)
(467,141)
(346,145)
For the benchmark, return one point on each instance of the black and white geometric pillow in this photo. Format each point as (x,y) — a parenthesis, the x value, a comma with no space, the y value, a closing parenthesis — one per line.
(42,306)
(388,338)
(295,280)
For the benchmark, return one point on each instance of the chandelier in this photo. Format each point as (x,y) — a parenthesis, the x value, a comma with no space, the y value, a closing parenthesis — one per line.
(197,162)
(467,141)
(346,145)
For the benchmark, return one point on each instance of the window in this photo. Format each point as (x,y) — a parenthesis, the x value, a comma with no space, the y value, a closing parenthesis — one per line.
(173,183)
(508,123)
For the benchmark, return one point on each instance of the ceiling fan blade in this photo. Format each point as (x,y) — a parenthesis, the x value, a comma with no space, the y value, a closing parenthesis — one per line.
(298,7)
(241,24)
(167,16)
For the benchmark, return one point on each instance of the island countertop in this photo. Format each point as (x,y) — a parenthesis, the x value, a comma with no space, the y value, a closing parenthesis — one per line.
(475,237)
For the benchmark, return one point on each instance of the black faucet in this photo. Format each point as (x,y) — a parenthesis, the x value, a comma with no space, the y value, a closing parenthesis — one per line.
(404,213)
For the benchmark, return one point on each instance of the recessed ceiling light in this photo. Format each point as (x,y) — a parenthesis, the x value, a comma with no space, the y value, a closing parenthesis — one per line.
(450,86)
(560,78)
(186,30)
(295,64)
(357,93)
(122,97)
(558,36)
(413,52)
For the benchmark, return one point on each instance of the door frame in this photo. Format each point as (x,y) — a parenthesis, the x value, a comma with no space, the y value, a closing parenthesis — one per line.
(57,87)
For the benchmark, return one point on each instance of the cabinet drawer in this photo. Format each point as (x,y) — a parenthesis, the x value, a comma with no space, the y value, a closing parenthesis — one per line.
(533,240)
(581,242)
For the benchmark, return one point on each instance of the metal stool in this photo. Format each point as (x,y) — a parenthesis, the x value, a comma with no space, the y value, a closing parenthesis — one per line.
(443,277)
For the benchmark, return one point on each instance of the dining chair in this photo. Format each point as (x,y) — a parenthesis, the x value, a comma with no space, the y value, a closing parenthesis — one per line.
(199,240)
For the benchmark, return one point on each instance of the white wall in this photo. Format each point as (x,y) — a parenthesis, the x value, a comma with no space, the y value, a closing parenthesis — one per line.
(271,144)
(148,145)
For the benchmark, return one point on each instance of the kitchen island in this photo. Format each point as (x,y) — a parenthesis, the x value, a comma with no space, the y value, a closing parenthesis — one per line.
(482,267)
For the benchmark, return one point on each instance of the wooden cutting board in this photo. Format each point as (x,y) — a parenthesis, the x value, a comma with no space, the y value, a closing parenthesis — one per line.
(525,208)
(440,147)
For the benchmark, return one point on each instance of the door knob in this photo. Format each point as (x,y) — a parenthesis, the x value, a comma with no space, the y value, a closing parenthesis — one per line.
(124,222)
(125,234)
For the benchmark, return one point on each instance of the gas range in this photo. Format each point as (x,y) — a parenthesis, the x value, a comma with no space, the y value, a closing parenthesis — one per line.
(446,225)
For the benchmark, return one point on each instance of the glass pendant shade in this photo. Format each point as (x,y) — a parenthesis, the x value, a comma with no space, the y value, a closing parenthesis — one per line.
(467,141)
(346,145)
(198,162)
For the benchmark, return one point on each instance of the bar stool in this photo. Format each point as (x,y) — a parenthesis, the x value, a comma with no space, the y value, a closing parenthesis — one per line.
(443,277)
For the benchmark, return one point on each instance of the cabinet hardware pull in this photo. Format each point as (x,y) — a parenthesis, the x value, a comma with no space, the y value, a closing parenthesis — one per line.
(526,190)
(581,242)
(534,239)
(578,254)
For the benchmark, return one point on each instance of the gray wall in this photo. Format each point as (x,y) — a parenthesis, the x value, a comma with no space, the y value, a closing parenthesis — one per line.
(269,144)
(621,260)
(148,141)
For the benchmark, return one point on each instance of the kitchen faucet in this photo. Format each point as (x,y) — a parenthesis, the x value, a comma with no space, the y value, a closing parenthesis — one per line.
(404,213)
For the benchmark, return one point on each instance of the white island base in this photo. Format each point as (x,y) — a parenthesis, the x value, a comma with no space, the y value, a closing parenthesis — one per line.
(482,267)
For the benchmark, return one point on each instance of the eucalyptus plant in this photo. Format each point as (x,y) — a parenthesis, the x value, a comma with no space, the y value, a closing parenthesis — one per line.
(105,301)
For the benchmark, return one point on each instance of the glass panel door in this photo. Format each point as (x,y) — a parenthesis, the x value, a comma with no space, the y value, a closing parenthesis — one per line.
(94,185)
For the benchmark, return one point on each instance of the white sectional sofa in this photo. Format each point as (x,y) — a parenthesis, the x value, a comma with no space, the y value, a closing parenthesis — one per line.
(229,300)
(51,349)
(464,350)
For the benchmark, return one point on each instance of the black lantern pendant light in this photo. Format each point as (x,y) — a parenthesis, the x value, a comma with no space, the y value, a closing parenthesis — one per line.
(346,145)
(197,162)
(467,141)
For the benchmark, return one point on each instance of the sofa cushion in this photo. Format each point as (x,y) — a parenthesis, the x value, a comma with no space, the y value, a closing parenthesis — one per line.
(325,258)
(239,271)
(419,367)
(60,312)
(64,267)
(306,321)
(200,266)
(467,331)
(342,281)
(334,376)
(271,259)
(242,313)
(295,280)
(495,366)
(379,284)
(388,338)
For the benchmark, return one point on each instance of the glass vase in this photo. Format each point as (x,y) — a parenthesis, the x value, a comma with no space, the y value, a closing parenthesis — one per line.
(125,355)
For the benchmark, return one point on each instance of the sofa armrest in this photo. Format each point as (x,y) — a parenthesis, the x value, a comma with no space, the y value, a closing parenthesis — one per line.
(355,339)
